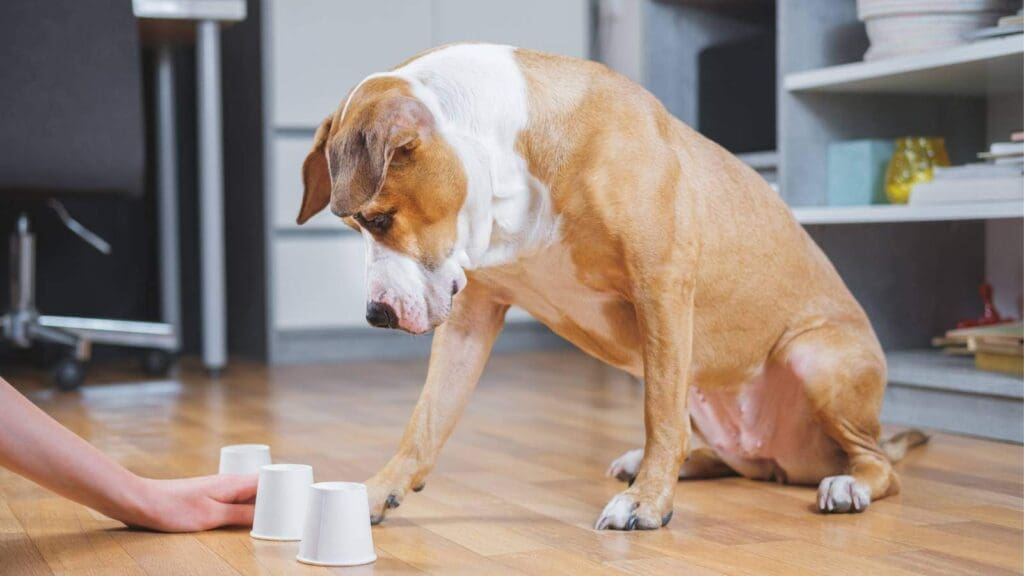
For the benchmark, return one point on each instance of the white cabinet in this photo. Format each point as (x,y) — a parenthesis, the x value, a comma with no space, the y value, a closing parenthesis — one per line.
(319,282)
(287,152)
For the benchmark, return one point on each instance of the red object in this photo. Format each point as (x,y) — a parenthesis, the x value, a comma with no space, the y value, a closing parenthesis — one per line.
(990,315)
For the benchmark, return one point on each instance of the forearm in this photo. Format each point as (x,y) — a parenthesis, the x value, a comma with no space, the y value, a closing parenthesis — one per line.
(37,447)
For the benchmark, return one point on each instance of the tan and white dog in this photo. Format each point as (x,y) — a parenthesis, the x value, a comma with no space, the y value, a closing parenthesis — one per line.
(482,176)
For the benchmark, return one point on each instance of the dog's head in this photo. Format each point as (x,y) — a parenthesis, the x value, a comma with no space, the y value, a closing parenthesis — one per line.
(384,168)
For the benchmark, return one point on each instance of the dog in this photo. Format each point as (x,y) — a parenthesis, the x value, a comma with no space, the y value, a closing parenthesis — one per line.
(485,176)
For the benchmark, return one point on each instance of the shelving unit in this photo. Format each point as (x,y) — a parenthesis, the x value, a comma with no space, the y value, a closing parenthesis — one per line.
(915,269)
(975,69)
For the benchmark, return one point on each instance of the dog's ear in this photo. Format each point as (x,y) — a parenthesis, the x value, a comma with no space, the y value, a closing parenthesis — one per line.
(316,176)
(398,125)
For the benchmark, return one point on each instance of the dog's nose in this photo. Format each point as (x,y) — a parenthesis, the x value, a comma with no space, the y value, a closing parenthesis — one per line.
(381,315)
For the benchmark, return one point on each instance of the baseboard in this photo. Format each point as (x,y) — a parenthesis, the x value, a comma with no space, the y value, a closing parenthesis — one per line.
(353,344)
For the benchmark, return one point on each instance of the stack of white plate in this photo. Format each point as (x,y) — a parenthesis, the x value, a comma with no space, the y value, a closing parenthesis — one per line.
(898,27)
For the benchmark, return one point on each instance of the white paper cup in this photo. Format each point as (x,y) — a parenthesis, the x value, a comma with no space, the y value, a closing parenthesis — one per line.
(243,458)
(281,496)
(337,529)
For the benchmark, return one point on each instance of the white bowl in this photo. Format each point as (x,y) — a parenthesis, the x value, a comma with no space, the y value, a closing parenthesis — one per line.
(900,35)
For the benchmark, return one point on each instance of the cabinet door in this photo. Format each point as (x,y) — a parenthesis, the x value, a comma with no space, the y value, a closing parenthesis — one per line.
(561,26)
(319,282)
(320,49)
(288,152)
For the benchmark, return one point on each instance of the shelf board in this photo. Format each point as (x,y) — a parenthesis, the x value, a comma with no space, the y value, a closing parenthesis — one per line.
(935,370)
(928,389)
(979,68)
(907,213)
(230,10)
(766,160)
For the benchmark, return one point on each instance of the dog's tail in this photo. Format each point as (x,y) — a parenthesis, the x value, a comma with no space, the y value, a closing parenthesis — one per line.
(896,447)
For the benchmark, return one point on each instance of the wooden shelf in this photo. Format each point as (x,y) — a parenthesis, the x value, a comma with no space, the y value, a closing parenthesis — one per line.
(979,68)
(907,213)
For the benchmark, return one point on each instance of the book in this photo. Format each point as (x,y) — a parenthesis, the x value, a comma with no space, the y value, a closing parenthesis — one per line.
(1005,349)
(968,190)
(996,347)
(1013,365)
(1006,148)
(1004,338)
(1012,20)
(976,170)
(1004,332)
(993,32)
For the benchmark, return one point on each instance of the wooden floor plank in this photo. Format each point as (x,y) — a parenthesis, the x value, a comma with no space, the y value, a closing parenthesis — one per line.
(70,538)
(938,563)
(516,490)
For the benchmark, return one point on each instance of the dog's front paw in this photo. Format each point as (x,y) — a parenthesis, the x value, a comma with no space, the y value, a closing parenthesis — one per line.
(382,496)
(838,494)
(625,467)
(630,511)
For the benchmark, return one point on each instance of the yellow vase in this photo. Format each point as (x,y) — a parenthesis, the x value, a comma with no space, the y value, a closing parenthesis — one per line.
(912,162)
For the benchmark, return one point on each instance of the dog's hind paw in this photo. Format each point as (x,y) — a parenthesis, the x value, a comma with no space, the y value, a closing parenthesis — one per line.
(625,467)
(839,494)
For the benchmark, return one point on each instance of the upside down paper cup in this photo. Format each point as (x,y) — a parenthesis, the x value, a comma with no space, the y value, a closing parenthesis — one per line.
(337,529)
(243,458)
(281,496)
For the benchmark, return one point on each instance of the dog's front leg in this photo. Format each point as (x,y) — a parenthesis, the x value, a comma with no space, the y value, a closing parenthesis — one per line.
(665,314)
(458,353)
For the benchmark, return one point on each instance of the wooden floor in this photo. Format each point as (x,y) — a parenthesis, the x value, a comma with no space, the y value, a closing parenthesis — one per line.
(516,491)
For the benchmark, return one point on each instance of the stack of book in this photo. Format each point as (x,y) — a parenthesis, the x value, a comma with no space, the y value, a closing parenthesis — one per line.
(1007,25)
(996,348)
(1009,153)
(1000,178)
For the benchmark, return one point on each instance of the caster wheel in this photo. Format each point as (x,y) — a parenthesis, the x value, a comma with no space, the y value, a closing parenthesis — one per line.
(68,374)
(157,362)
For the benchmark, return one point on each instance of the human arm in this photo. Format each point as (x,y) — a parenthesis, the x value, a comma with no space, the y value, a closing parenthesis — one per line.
(39,448)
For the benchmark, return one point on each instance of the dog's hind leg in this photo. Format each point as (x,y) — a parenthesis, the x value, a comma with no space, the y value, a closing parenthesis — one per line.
(701,463)
(842,369)
(704,463)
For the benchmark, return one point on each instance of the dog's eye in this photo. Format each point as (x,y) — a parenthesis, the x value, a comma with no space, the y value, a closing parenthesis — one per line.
(376,223)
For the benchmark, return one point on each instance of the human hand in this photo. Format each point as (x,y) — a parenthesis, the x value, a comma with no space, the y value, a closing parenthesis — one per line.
(194,504)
